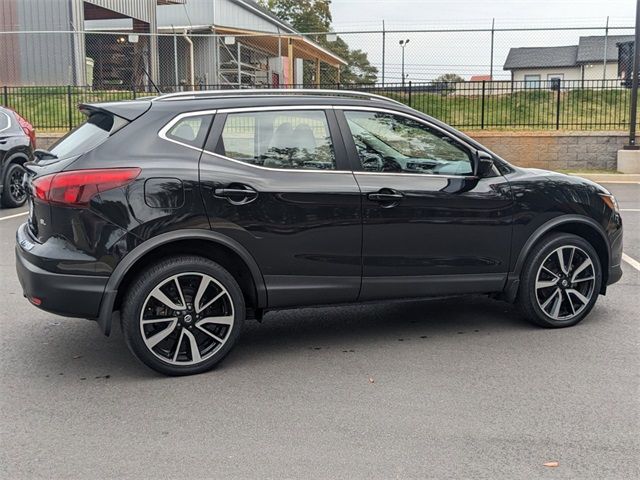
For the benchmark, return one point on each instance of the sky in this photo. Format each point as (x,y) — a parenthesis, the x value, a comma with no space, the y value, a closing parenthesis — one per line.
(429,54)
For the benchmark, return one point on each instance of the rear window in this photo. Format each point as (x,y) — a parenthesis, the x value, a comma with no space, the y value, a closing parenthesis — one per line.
(84,138)
(191,130)
(5,121)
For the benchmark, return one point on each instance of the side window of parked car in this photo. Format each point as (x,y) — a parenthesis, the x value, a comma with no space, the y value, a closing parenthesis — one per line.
(394,143)
(190,130)
(5,121)
(292,139)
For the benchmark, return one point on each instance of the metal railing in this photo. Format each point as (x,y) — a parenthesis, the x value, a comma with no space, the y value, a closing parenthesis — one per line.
(559,105)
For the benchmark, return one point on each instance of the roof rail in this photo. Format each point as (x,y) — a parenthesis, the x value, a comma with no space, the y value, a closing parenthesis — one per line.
(194,95)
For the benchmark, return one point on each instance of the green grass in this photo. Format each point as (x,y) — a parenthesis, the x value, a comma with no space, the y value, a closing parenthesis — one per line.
(55,108)
(528,109)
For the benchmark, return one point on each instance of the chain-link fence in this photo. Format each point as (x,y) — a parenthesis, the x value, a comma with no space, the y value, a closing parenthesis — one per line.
(564,78)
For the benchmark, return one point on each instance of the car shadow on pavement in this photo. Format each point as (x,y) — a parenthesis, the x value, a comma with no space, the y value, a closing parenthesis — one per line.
(367,325)
(81,351)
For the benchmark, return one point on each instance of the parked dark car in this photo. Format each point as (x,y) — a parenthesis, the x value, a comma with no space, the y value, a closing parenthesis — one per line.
(183,215)
(17,141)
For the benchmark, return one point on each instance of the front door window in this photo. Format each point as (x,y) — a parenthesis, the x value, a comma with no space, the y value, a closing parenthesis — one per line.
(397,144)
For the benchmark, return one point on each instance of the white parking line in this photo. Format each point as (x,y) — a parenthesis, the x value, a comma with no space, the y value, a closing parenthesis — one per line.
(634,263)
(14,216)
(630,209)
(619,182)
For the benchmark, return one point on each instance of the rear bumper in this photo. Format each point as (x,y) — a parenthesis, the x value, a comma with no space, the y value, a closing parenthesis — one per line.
(67,295)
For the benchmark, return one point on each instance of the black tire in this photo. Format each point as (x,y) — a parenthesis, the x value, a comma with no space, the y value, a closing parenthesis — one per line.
(13,195)
(528,297)
(139,294)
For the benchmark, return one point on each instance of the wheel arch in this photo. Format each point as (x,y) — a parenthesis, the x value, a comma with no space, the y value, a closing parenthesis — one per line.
(16,156)
(214,246)
(583,227)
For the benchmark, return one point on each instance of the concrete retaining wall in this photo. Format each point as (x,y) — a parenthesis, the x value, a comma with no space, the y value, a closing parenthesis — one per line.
(556,150)
(548,150)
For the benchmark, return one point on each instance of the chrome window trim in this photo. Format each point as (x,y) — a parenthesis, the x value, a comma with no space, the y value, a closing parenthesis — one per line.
(177,118)
(9,123)
(164,130)
(163,134)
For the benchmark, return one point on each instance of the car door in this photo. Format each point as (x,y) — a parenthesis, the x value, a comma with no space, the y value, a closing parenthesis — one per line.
(430,226)
(277,180)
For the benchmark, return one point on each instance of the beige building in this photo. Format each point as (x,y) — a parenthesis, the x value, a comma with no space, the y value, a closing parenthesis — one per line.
(594,58)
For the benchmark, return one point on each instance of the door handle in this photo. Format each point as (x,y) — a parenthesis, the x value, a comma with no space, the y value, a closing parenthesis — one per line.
(387,196)
(237,194)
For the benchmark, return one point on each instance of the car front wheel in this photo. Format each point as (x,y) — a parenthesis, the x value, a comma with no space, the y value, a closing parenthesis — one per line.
(183,315)
(560,282)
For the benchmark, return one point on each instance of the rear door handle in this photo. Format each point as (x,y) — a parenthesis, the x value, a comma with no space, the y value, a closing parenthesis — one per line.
(387,196)
(237,194)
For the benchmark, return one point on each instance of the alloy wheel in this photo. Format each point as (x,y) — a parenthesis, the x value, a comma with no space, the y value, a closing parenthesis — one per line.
(565,282)
(187,318)
(16,188)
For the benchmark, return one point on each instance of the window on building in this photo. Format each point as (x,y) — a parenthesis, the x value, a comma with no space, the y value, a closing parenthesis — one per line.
(532,81)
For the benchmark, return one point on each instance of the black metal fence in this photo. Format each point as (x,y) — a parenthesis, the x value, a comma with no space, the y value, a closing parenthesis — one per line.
(554,104)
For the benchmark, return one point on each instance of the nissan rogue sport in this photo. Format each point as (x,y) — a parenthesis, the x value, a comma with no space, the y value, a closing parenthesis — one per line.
(183,215)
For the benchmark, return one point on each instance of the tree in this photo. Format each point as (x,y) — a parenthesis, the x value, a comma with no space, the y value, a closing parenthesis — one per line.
(358,70)
(313,16)
(303,15)
(450,78)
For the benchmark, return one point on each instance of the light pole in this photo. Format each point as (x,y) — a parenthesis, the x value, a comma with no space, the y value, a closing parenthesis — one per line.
(403,43)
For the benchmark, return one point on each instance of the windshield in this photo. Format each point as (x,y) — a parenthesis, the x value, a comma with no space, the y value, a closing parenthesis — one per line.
(84,138)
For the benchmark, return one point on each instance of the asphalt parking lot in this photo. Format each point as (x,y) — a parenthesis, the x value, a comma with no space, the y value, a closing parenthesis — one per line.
(457,388)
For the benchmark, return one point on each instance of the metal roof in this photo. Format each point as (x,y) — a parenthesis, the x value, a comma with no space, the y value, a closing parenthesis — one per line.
(591,49)
(541,57)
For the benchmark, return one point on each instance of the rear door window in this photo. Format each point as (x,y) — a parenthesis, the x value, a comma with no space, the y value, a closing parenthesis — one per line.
(289,139)
(86,137)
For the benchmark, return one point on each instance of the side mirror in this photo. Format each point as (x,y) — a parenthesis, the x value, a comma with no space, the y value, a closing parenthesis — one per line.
(484,164)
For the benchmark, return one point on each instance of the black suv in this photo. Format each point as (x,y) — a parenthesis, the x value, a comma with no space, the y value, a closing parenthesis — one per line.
(185,214)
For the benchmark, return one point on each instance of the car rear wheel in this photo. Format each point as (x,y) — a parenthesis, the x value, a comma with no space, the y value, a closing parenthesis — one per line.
(183,315)
(560,282)
(14,194)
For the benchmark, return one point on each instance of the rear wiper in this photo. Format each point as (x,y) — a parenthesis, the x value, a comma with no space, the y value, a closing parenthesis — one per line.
(41,154)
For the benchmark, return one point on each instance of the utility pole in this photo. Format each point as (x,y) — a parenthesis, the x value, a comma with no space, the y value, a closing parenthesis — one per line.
(384,45)
(403,44)
(606,40)
(493,32)
(633,114)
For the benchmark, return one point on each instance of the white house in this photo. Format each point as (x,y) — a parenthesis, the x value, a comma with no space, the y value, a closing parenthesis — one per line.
(582,62)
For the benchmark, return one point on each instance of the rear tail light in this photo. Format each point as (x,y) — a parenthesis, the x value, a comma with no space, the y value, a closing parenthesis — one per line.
(77,187)
(28,129)
(31,133)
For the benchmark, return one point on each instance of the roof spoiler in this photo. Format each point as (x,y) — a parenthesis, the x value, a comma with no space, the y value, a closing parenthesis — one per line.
(129,110)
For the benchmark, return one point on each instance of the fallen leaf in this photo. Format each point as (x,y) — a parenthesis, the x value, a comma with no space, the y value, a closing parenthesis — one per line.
(371,380)
(552,464)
